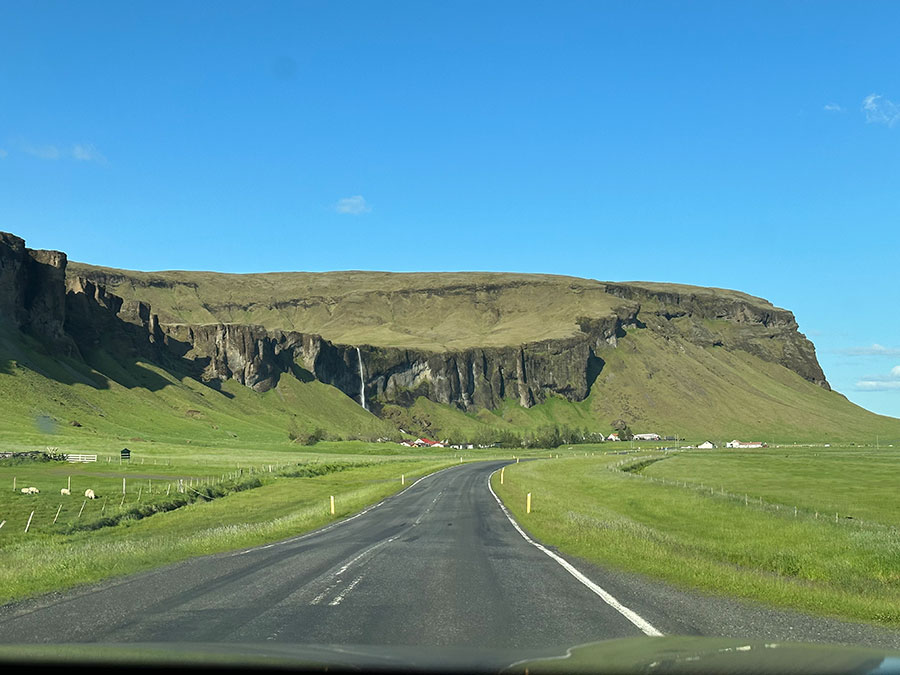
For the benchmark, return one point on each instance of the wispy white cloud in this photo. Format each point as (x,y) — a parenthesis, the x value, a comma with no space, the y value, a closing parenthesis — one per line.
(41,151)
(353,206)
(879,110)
(874,350)
(878,385)
(81,152)
(87,152)
(889,382)
(833,107)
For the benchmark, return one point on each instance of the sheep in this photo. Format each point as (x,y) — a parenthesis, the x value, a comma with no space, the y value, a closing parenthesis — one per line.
(90,494)
(65,491)
(30,490)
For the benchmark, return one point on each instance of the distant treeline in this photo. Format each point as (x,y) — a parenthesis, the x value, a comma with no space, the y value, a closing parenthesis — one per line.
(549,436)
(543,437)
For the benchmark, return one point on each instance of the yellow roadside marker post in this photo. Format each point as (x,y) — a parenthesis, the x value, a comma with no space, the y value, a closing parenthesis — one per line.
(332,504)
(528,503)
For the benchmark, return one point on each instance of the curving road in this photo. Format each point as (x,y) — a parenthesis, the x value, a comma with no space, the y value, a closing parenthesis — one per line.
(439,564)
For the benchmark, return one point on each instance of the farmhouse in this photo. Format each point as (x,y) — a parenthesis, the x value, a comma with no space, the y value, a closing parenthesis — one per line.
(422,443)
(706,445)
(612,437)
(745,444)
(647,437)
(425,443)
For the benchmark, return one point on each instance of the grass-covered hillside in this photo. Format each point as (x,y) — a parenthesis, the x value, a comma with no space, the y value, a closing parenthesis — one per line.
(672,387)
(56,399)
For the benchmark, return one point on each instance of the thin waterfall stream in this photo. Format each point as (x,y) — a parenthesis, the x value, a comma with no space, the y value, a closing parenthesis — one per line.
(362,382)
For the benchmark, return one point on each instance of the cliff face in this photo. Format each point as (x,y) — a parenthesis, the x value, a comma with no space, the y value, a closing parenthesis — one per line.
(77,315)
(33,292)
(470,379)
(709,320)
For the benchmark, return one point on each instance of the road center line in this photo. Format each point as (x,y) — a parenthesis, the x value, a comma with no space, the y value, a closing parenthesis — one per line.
(338,523)
(339,598)
(363,554)
(332,580)
(645,626)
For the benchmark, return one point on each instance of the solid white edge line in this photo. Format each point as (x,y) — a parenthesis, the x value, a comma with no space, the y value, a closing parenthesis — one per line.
(645,626)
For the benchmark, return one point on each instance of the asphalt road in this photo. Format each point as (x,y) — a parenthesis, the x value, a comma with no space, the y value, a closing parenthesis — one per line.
(439,564)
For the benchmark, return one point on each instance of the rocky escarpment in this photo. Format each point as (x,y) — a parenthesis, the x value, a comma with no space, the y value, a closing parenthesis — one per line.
(77,316)
(709,319)
(96,318)
(469,379)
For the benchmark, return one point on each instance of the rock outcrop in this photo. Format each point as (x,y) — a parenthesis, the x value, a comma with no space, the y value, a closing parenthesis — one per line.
(709,319)
(33,292)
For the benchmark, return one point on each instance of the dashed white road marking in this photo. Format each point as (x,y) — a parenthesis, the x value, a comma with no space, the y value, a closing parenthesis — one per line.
(339,598)
(321,596)
(645,626)
(364,553)
(427,509)
(335,578)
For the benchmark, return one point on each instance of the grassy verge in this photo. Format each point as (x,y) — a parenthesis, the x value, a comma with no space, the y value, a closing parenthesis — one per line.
(279,508)
(701,540)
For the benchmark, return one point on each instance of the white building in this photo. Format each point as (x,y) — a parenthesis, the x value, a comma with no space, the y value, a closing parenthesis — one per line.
(647,437)
(612,437)
(706,445)
(745,444)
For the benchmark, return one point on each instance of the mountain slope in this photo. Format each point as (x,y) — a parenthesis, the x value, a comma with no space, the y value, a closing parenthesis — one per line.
(104,398)
(472,356)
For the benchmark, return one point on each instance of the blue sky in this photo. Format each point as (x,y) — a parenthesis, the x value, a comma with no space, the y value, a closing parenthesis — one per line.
(750,146)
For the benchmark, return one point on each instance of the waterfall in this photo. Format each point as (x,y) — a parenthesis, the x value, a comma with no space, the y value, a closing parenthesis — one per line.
(362,382)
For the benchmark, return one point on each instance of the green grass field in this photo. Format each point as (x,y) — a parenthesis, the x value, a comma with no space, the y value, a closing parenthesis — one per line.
(702,539)
(859,482)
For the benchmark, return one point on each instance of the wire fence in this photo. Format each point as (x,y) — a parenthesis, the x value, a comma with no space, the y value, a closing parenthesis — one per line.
(633,468)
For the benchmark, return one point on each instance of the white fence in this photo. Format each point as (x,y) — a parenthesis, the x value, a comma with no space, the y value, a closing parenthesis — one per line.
(81,458)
